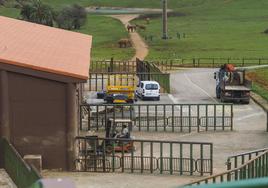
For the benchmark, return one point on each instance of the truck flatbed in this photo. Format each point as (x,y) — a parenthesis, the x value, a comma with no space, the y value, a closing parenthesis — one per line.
(237,88)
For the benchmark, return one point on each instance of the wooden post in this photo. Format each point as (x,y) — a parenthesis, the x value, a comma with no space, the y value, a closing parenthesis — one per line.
(71,125)
(4,106)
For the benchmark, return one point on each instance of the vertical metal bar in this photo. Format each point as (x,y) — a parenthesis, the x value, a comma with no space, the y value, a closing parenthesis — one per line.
(123,156)
(191,159)
(104,156)
(181,159)
(151,156)
(223,117)
(96,82)
(161,157)
(165,123)
(198,118)
(132,157)
(211,157)
(190,117)
(215,117)
(113,158)
(80,117)
(89,82)
(88,118)
(181,118)
(232,118)
(142,162)
(267,121)
(139,116)
(201,158)
(102,81)
(206,117)
(148,118)
(95,153)
(105,118)
(172,117)
(155,117)
(97,114)
(171,158)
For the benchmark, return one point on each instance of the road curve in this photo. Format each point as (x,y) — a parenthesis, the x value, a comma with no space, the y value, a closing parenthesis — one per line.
(138,43)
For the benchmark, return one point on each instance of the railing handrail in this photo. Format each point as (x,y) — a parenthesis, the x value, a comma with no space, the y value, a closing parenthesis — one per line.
(134,73)
(143,140)
(247,153)
(150,104)
(226,172)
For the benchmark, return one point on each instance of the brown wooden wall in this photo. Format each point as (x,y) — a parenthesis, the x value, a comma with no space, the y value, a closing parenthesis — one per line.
(38,118)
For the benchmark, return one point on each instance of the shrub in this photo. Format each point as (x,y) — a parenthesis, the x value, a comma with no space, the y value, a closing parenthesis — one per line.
(71,17)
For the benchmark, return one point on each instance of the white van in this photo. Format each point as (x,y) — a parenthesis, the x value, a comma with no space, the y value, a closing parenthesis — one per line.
(148,89)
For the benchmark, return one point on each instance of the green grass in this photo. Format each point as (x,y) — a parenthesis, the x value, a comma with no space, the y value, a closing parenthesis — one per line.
(257,88)
(260,85)
(214,28)
(106,32)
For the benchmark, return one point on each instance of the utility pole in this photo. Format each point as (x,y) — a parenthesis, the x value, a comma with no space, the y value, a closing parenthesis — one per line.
(165,17)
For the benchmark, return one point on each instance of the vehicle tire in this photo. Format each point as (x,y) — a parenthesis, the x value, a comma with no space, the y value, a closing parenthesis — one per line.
(218,95)
(158,98)
(142,97)
(245,102)
(222,99)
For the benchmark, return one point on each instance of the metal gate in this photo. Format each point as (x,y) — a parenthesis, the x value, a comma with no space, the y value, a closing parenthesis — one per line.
(160,117)
(145,156)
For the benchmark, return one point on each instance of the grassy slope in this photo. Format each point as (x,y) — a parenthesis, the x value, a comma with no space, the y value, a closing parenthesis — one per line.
(260,84)
(106,32)
(214,28)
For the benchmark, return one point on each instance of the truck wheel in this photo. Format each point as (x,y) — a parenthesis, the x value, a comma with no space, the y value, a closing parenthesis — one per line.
(245,102)
(218,94)
(158,98)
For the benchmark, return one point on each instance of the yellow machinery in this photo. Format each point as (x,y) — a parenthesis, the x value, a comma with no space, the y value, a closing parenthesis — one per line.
(120,94)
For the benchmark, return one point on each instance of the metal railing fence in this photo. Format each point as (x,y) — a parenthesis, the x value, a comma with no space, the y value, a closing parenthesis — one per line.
(141,156)
(160,117)
(240,159)
(20,172)
(254,168)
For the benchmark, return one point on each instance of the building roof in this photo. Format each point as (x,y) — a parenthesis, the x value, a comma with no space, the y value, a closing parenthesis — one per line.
(44,48)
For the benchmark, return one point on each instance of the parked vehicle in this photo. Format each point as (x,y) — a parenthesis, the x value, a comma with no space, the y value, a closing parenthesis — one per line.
(120,94)
(148,90)
(232,85)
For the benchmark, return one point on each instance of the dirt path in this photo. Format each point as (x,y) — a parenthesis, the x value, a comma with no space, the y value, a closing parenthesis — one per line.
(138,43)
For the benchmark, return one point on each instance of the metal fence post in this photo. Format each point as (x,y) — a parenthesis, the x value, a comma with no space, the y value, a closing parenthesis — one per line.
(267,121)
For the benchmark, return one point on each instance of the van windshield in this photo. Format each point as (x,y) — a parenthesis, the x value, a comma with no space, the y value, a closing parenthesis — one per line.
(151,86)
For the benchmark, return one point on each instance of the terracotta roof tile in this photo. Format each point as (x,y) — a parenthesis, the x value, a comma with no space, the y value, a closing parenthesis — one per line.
(44,48)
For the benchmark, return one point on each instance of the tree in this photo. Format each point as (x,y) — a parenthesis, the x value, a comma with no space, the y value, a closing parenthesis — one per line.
(37,12)
(71,17)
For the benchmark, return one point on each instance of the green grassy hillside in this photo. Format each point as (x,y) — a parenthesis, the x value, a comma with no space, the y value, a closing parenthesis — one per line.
(213,28)
(218,28)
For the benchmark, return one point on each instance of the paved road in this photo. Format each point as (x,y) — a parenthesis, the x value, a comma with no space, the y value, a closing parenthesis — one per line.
(189,86)
(198,86)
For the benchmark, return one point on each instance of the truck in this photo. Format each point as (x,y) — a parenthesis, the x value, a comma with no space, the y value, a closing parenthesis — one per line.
(232,85)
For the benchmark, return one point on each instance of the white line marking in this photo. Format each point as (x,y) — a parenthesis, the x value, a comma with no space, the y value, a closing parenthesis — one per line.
(199,88)
(249,116)
(174,100)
